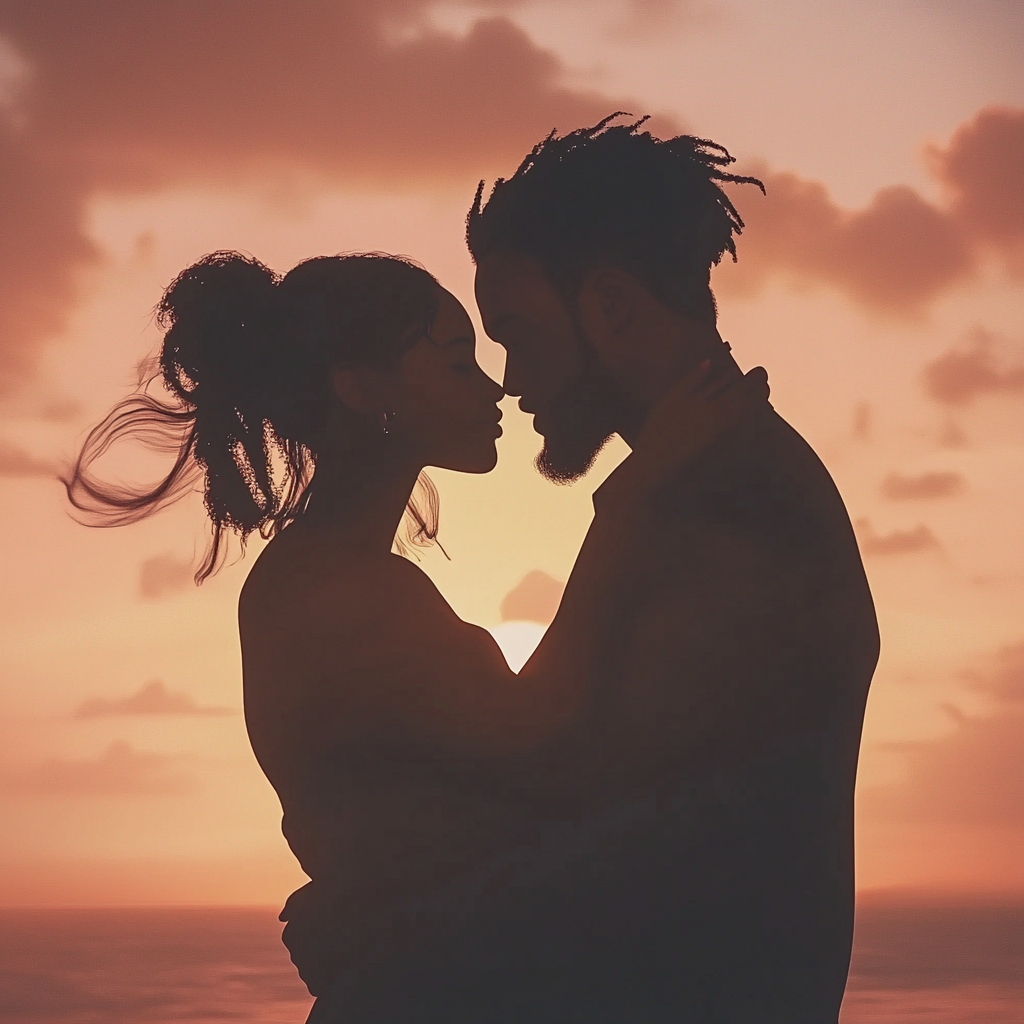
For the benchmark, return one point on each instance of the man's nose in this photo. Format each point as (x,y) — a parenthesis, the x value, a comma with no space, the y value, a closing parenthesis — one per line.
(511,381)
(495,392)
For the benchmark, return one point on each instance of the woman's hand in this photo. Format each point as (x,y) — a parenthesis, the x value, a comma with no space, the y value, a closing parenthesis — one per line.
(697,410)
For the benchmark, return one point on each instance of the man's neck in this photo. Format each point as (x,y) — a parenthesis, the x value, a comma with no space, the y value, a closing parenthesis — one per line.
(635,411)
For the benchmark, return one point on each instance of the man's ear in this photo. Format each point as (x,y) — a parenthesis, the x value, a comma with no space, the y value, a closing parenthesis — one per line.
(356,388)
(608,300)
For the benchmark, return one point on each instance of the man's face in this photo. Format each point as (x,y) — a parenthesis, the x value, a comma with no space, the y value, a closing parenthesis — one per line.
(575,403)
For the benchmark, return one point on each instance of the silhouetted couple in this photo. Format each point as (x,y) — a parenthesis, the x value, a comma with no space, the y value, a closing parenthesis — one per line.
(652,821)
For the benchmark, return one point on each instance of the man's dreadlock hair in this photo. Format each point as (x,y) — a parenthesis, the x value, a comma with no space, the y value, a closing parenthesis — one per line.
(615,194)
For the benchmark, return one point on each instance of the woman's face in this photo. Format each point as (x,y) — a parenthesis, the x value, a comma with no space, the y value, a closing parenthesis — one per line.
(446,407)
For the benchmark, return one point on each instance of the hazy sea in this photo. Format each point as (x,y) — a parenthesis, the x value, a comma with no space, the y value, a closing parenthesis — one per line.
(915,962)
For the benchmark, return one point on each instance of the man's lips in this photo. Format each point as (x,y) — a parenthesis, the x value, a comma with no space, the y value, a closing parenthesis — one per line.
(538,417)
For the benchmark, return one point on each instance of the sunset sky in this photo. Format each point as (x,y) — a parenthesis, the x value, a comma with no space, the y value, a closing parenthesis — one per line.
(880,282)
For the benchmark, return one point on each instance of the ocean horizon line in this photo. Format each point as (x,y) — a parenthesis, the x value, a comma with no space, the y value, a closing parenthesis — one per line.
(909,896)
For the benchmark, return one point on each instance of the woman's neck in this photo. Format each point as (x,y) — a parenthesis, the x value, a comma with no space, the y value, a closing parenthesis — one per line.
(360,505)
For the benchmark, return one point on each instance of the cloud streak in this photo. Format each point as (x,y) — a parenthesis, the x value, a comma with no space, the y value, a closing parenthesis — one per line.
(926,486)
(899,542)
(153,698)
(120,770)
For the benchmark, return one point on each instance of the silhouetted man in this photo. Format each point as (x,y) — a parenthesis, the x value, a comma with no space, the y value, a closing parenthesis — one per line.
(728,705)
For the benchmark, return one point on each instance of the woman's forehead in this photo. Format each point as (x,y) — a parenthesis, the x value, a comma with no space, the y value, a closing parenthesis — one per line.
(452,324)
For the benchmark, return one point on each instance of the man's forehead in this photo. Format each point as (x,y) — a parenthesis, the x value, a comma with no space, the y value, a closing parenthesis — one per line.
(508,281)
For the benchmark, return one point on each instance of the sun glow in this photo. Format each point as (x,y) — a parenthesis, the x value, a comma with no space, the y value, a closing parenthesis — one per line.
(518,639)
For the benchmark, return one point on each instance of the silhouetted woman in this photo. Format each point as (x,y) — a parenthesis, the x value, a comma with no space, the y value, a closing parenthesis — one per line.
(394,733)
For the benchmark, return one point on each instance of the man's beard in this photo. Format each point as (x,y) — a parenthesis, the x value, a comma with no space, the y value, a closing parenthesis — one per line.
(578,424)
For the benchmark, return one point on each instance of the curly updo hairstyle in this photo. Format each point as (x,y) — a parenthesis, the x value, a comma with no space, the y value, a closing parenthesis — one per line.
(245,373)
(613,193)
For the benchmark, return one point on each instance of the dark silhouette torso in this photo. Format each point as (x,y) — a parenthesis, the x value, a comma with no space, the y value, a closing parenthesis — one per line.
(683,852)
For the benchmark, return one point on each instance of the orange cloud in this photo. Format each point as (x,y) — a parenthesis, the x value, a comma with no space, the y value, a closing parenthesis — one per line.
(16,461)
(894,256)
(982,169)
(534,599)
(959,376)
(901,251)
(120,770)
(899,542)
(862,422)
(43,247)
(897,487)
(1007,683)
(153,698)
(136,95)
(164,574)
(1005,679)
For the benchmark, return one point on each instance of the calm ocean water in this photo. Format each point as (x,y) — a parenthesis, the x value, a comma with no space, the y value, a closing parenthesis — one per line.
(948,963)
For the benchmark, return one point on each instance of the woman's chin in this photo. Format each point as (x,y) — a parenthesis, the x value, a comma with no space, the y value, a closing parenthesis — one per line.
(476,462)
(486,463)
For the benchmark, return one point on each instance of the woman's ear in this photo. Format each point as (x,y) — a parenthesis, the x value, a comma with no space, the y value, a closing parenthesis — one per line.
(356,388)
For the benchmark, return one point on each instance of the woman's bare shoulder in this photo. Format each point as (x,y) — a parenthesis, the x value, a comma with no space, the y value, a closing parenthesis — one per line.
(330,589)
(303,585)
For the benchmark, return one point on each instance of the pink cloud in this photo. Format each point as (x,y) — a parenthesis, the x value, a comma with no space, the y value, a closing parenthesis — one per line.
(862,422)
(162,575)
(534,599)
(137,96)
(899,542)
(894,256)
(153,698)
(897,487)
(120,770)
(962,374)
(1004,678)
(982,169)
(15,461)
(140,96)
(43,248)
(900,252)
